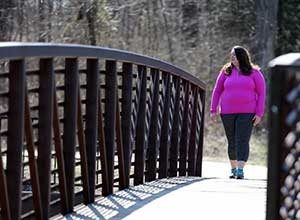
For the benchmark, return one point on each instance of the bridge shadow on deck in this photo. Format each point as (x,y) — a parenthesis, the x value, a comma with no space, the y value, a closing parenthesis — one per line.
(123,203)
(183,197)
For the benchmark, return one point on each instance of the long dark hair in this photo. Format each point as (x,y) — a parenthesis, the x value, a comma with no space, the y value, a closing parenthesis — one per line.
(243,56)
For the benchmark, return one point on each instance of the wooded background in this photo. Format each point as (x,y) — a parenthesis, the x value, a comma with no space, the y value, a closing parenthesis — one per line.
(195,35)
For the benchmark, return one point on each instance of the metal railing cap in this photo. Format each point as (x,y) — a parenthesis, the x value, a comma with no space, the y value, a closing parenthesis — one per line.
(17,50)
(289,59)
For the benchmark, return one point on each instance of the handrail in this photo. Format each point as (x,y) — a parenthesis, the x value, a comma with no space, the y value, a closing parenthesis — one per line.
(283,144)
(16,50)
(71,128)
(290,59)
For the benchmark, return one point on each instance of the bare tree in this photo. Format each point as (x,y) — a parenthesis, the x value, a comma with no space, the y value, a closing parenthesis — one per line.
(266,30)
(49,19)
(91,16)
(20,20)
(190,23)
(288,27)
(42,19)
(167,31)
(7,8)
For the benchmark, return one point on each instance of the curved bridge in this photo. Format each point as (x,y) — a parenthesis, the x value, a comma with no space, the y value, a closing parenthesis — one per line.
(81,122)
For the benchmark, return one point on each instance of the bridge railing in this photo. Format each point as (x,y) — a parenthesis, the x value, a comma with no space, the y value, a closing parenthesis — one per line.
(283,193)
(78,122)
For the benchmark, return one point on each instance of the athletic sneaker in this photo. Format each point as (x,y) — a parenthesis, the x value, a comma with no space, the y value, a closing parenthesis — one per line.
(240,173)
(233,173)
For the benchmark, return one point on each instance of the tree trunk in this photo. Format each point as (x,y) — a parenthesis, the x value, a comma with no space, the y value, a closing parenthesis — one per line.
(6,19)
(190,23)
(266,29)
(42,26)
(91,18)
(167,31)
(60,7)
(288,27)
(49,22)
(20,19)
(155,25)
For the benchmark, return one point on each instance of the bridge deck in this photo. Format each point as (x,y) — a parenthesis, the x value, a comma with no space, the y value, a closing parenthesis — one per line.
(212,197)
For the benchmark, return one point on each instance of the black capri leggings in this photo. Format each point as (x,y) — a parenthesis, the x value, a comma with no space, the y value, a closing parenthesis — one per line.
(238,129)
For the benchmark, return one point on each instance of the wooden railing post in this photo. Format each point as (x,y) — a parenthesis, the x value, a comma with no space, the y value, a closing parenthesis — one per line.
(201,137)
(164,134)
(126,117)
(174,149)
(4,203)
(192,141)
(91,121)
(102,148)
(140,130)
(276,124)
(58,145)
(82,151)
(15,135)
(120,149)
(45,131)
(70,126)
(153,131)
(184,131)
(110,119)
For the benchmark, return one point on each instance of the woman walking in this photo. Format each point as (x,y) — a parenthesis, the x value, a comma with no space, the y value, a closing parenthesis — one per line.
(239,97)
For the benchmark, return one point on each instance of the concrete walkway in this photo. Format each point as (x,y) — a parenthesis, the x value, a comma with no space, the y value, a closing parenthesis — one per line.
(214,196)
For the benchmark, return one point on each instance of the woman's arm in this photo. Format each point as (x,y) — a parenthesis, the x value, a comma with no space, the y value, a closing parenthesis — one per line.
(217,91)
(260,87)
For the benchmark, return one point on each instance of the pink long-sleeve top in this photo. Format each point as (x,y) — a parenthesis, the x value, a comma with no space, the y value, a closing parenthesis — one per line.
(237,93)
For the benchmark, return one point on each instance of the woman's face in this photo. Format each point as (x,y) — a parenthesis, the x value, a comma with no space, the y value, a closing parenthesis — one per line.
(233,59)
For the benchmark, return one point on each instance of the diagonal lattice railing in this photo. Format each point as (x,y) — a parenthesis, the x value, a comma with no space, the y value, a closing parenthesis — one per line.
(78,122)
(283,199)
